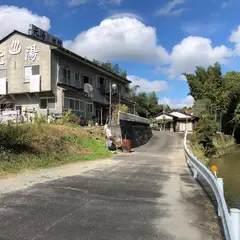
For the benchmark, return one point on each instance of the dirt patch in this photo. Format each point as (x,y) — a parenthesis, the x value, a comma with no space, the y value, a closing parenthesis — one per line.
(14,182)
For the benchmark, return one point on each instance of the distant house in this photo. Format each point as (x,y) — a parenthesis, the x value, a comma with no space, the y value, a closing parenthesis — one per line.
(176,121)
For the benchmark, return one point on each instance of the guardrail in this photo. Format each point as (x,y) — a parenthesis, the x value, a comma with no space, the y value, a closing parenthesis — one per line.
(230,221)
(132,118)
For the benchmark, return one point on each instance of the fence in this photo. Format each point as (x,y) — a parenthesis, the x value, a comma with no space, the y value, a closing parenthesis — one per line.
(132,118)
(230,221)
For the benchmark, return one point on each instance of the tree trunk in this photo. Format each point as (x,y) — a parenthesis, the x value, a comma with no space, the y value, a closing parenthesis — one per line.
(234,129)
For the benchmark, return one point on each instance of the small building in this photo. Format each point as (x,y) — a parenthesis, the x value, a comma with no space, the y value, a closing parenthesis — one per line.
(37,74)
(166,122)
(176,121)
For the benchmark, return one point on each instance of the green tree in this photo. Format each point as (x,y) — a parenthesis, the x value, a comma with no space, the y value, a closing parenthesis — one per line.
(209,84)
(206,130)
(147,104)
(236,119)
(123,74)
(141,101)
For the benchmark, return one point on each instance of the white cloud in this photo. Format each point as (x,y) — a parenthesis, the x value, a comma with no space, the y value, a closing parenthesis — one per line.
(235,36)
(124,14)
(148,86)
(195,51)
(114,2)
(74,3)
(120,39)
(14,18)
(177,104)
(170,8)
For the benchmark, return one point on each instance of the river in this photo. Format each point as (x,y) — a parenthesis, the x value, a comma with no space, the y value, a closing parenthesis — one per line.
(229,169)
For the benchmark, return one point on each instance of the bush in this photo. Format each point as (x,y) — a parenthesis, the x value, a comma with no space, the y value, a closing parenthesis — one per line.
(124,108)
(40,119)
(69,117)
(205,131)
(13,136)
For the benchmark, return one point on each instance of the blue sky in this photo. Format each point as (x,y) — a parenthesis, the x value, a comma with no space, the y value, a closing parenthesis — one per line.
(155,41)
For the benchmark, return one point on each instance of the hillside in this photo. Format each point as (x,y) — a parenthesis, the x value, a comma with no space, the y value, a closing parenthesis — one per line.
(32,146)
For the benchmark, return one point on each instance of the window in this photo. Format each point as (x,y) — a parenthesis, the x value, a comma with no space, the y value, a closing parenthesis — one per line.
(107,84)
(31,71)
(51,103)
(66,103)
(77,105)
(100,82)
(2,73)
(69,77)
(43,103)
(47,103)
(82,103)
(87,79)
(65,73)
(90,108)
(77,80)
(72,104)
(35,70)
(77,76)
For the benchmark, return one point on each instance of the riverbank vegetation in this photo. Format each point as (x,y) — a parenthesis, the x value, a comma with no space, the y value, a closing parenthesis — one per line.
(41,145)
(217,99)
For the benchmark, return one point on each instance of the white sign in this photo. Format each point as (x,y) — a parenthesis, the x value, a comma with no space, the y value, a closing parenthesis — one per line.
(31,53)
(15,48)
(10,112)
(1,60)
(43,35)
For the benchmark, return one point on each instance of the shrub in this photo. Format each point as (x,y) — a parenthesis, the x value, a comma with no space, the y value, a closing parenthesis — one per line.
(13,136)
(124,108)
(66,116)
(40,119)
(90,122)
(73,118)
(206,129)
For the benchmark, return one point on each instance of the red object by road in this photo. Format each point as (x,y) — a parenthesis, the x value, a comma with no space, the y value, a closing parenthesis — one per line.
(126,145)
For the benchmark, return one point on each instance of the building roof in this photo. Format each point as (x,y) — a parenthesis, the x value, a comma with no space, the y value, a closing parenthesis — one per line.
(165,116)
(71,54)
(180,115)
(174,115)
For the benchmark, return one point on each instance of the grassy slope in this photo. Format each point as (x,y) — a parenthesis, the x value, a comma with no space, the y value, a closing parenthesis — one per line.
(43,146)
(223,144)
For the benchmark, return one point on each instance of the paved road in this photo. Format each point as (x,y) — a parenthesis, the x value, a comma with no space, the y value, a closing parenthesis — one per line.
(147,194)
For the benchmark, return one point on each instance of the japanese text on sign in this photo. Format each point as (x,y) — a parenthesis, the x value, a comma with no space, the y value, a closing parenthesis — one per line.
(31,53)
(43,35)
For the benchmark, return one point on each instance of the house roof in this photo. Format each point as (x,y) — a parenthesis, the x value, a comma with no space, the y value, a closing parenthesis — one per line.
(174,115)
(70,54)
(165,116)
(180,115)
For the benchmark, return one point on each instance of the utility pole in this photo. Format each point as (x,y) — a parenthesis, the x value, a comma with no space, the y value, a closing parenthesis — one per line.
(164,116)
(110,102)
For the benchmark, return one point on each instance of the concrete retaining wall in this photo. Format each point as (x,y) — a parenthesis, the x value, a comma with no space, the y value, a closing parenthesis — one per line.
(132,127)
(138,133)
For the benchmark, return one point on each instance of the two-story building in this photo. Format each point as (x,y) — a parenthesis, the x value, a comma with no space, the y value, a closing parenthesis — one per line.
(40,75)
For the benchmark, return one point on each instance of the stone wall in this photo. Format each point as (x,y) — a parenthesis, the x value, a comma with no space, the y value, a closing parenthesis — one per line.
(132,127)
(138,133)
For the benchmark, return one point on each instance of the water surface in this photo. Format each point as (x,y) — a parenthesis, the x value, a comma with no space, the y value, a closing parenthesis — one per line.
(229,169)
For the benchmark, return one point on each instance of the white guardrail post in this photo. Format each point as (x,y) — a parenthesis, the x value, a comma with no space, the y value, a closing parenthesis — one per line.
(230,221)
(220,185)
(235,217)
